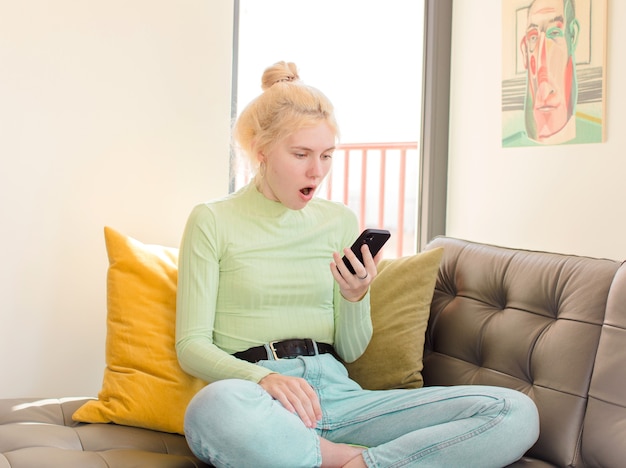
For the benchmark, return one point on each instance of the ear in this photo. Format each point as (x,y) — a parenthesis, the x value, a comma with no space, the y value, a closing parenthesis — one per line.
(574,29)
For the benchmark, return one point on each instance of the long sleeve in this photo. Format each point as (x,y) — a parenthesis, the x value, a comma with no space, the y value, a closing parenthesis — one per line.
(252,271)
(353,327)
(198,280)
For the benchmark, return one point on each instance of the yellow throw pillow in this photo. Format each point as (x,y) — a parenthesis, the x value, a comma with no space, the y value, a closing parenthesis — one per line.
(143,384)
(400,299)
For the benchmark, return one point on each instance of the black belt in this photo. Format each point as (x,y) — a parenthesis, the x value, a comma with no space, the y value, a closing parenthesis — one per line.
(285,350)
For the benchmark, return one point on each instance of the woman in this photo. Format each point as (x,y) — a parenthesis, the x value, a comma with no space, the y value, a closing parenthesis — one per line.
(267,310)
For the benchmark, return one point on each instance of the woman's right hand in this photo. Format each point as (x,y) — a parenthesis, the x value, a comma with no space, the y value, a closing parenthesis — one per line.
(296,395)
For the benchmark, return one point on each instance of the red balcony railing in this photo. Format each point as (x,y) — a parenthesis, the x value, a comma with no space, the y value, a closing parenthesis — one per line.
(379,182)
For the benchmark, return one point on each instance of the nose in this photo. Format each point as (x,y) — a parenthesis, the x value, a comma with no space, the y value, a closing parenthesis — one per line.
(315,169)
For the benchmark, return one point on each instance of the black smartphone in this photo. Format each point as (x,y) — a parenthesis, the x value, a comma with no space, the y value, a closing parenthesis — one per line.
(374,238)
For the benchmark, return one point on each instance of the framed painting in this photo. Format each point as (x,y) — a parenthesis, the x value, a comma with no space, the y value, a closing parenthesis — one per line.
(553,72)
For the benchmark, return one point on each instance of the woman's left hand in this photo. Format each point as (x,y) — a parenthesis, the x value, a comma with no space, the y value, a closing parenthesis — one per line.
(354,286)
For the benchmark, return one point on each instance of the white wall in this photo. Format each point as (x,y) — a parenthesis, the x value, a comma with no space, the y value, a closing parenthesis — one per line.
(112,112)
(560,198)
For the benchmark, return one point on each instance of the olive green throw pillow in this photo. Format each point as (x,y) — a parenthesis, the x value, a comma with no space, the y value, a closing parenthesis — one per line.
(400,299)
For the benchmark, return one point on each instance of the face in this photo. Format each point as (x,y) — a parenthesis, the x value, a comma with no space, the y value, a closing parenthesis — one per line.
(546,49)
(296,166)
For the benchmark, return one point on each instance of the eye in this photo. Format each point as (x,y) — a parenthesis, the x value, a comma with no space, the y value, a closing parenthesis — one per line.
(327,156)
(300,155)
(555,32)
(531,38)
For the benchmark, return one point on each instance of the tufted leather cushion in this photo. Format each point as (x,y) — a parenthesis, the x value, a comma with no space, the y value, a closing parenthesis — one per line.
(529,321)
(604,431)
(41,433)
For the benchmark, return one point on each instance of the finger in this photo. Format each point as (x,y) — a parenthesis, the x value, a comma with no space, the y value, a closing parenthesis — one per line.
(363,269)
(378,257)
(310,400)
(296,395)
(368,260)
(351,288)
(294,405)
(340,267)
(315,402)
(352,258)
(305,412)
(284,400)
(306,405)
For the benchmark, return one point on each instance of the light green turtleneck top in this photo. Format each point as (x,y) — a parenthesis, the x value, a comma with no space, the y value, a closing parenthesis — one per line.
(252,271)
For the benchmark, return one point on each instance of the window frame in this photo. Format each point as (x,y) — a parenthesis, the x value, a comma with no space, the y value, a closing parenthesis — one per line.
(433,178)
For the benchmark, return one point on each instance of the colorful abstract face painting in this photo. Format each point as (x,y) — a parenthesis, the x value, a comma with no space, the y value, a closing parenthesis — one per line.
(548,49)
(550,32)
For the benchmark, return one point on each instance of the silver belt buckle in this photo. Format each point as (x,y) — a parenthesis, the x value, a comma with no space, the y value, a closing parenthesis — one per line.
(273,350)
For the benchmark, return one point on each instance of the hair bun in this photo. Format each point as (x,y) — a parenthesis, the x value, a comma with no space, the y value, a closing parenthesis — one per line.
(278,73)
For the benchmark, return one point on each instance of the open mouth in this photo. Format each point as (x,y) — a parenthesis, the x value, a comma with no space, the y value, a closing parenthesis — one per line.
(307,190)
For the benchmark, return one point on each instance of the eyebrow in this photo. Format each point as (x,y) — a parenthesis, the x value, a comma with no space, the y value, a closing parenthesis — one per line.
(305,148)
(556,19)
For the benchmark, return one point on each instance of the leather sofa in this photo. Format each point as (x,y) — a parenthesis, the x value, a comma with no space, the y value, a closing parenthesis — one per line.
(550,325)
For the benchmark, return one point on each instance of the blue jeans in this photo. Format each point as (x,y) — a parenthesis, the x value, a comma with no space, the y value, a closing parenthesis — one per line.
(235,423)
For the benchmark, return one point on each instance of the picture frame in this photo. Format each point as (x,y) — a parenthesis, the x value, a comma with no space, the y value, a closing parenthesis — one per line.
(553,72)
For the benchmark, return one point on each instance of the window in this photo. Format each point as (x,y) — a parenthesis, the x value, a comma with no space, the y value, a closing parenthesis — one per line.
(367,57)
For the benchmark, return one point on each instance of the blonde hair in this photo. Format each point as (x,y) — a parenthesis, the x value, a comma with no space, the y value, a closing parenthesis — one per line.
(285,106)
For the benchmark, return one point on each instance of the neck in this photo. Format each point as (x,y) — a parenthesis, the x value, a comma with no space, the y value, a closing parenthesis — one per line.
(264,189)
